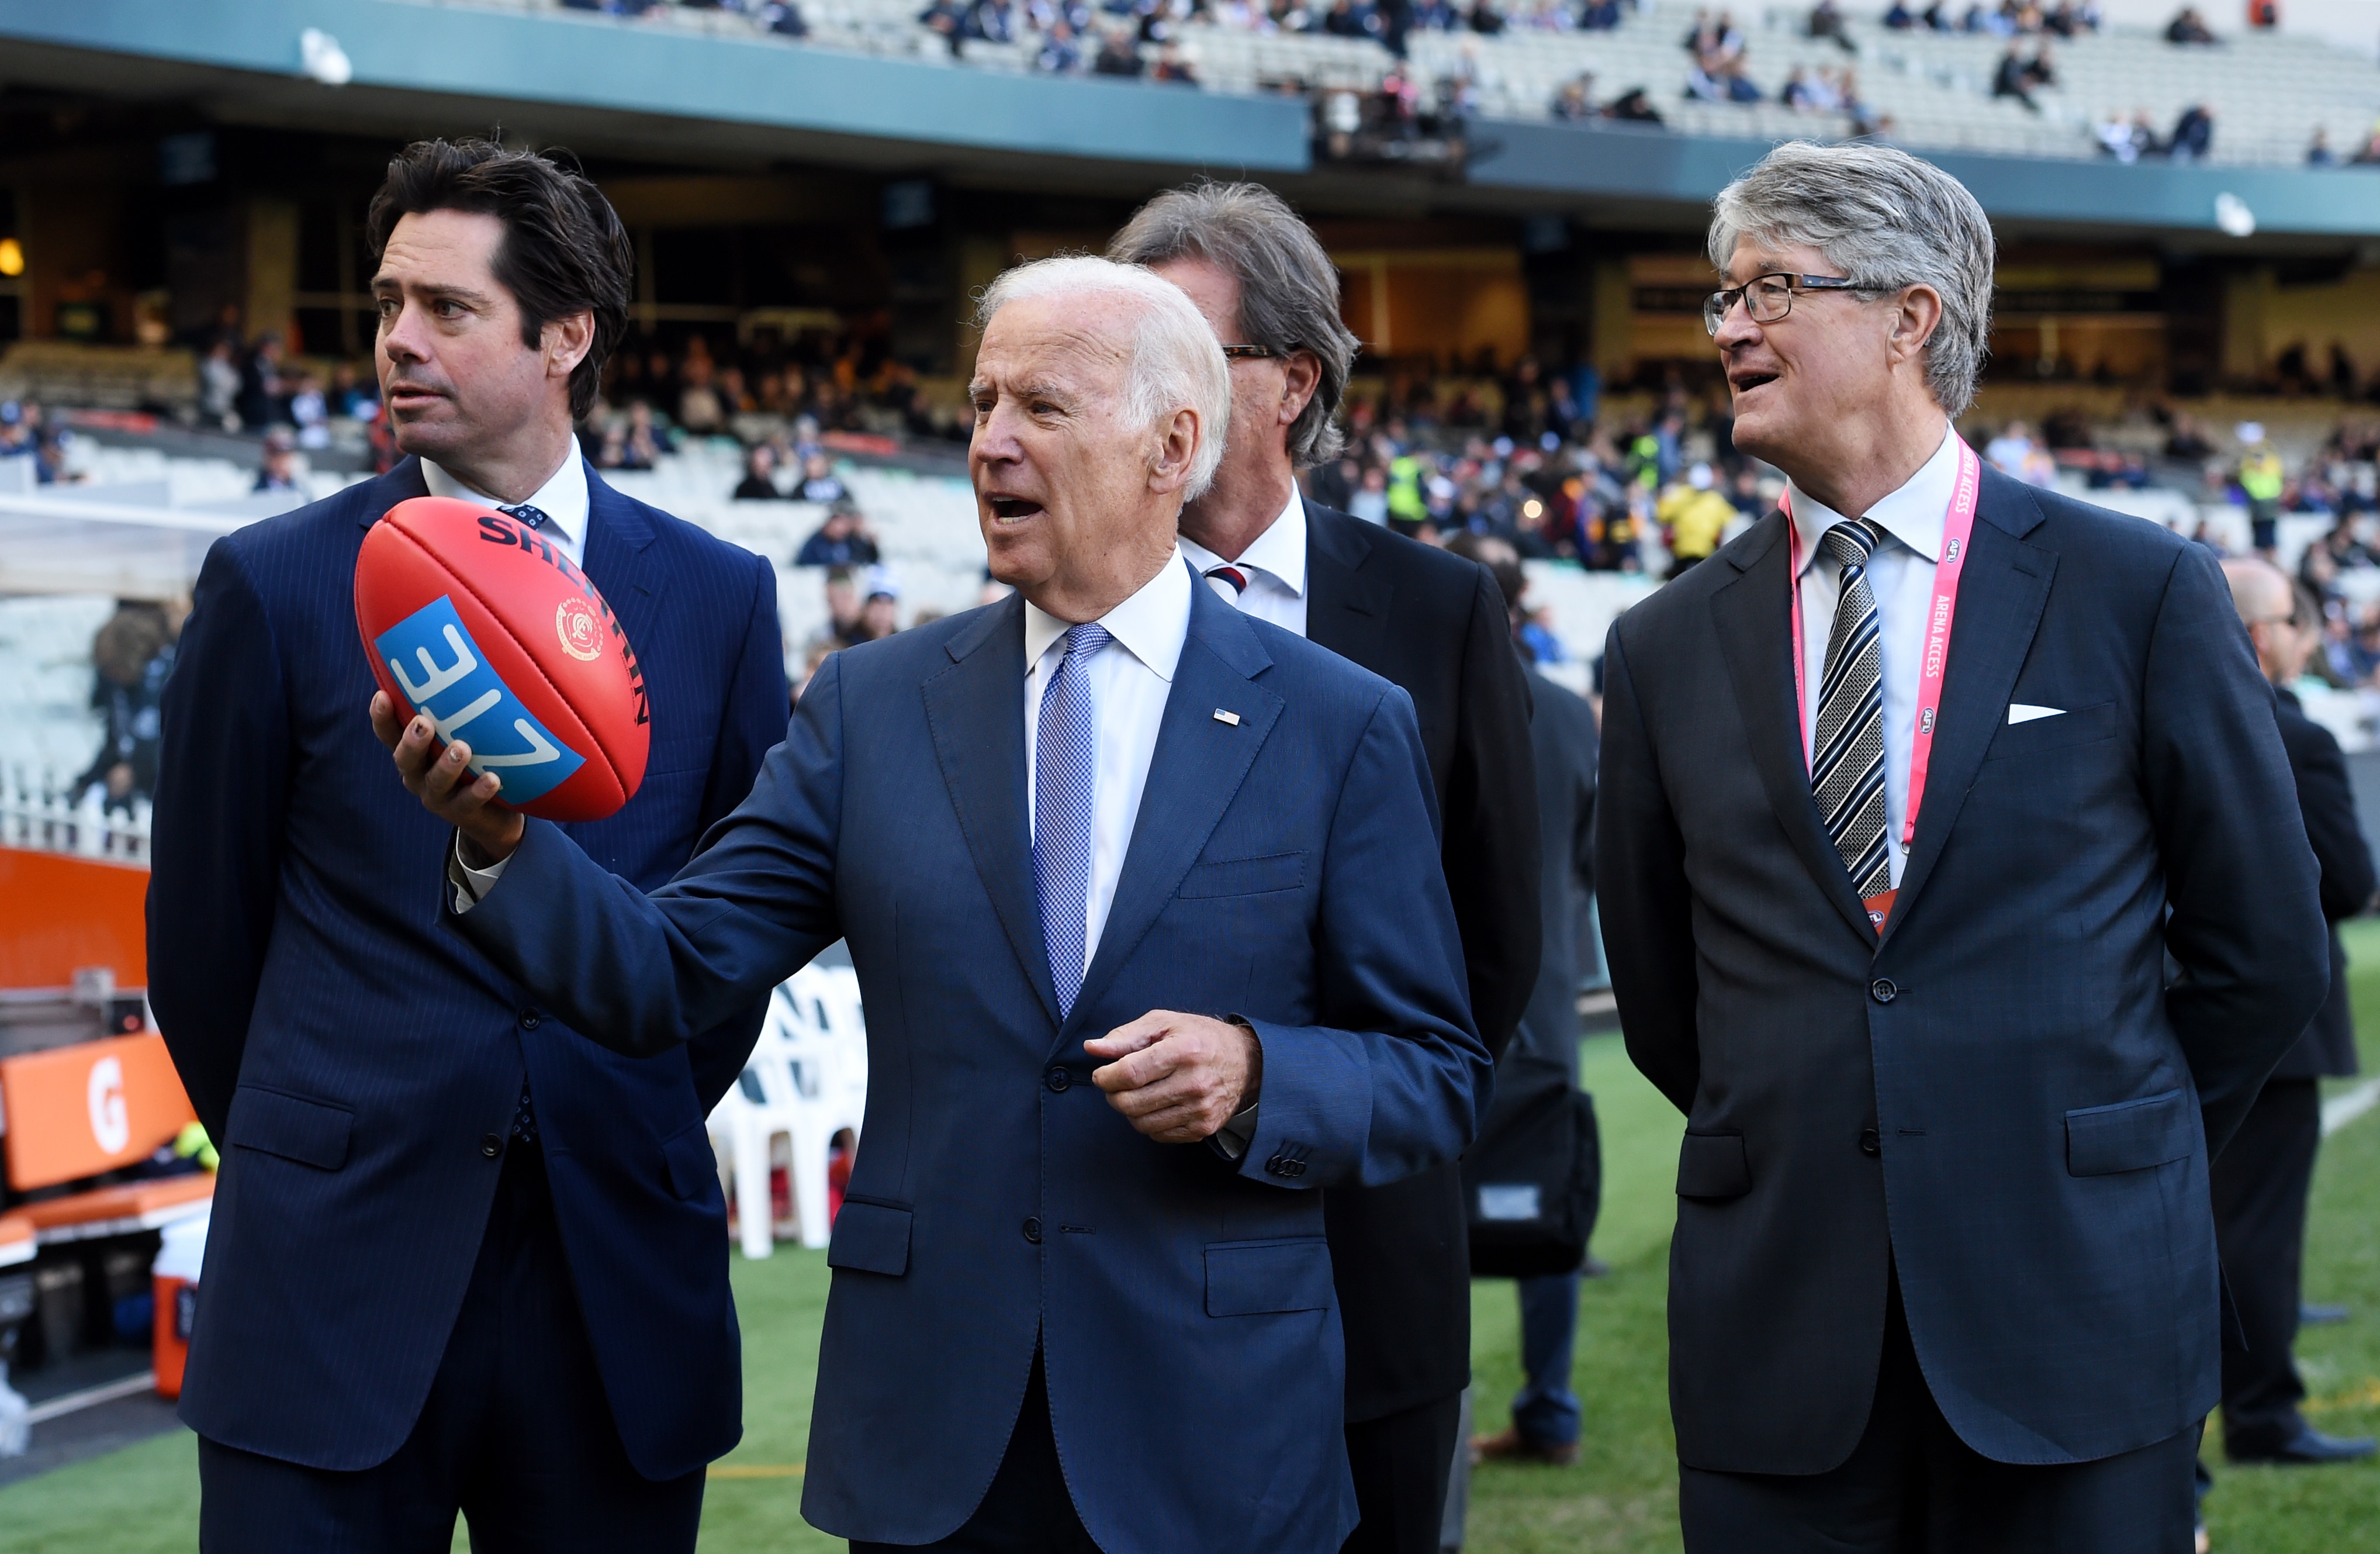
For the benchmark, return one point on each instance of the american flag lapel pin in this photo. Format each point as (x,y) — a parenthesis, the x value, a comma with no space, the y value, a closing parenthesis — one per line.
(1230,718)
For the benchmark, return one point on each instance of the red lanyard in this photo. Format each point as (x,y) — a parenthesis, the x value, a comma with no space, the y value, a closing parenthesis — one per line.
(1957,524)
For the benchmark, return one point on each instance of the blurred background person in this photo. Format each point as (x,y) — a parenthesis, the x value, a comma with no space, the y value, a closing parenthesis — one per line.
(2262,1181)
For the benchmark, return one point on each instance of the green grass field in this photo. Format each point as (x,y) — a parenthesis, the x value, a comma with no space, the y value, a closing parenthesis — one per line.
(1619,1496)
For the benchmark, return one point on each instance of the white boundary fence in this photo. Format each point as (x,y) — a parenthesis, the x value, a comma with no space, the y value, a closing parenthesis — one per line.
(36,812)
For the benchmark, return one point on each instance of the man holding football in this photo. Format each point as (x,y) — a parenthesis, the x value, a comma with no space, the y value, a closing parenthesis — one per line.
(461,1260)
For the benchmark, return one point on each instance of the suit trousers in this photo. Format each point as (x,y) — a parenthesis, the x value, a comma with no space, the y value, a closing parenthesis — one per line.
(517,1433)
(2261,1182)
(1913,1487)
(1401,1462)
(1028,1510)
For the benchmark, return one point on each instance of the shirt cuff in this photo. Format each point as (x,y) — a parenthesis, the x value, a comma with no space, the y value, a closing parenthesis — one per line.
(1230,1139)
(471,886)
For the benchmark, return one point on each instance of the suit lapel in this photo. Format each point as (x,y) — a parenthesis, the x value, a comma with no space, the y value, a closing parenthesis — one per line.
(1194,775)
(618,535)
(402,483)
(2001,594)
(1753,617)
(1346,603)
(975,712)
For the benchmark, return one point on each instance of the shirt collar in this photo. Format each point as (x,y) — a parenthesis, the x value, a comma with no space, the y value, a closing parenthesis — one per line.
(1152,625)
(1912,515)
(1279,552)
(562,498)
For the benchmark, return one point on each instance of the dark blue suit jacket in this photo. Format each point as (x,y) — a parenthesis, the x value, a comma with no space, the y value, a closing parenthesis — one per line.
(2003,1100)
(1283,868)
(352,1052)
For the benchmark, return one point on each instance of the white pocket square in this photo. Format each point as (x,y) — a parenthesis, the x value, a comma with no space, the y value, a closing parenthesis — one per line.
(2019,712)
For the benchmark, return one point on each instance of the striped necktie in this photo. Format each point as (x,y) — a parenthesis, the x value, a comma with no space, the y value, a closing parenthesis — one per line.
(1229,577)
(1847,752)
(1065,766)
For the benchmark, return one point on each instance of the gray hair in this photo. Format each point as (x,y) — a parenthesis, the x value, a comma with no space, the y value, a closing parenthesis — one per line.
(1289,288)
(1176,362)
(1886,220)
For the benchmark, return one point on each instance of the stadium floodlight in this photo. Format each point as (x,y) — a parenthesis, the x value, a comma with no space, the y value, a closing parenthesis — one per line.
(321,58)
(2232,214)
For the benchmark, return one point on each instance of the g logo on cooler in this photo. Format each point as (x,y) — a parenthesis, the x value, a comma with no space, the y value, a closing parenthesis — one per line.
(575,622)
(111,1124)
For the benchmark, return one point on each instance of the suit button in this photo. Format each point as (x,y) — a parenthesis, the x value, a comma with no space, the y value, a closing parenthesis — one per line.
(1869,1142)
(1057,1080)
(528,1020)
(1033,1230)
(491,1145)
(1882,990)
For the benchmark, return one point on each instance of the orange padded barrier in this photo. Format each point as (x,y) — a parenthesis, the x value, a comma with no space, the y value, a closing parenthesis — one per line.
(60,914)
(15,1239)
(76,1111)
(114,1211)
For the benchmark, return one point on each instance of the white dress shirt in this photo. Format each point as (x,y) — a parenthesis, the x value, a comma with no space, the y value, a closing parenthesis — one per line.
(1274,566)
(1900,573)
(1130,677)
(562,499)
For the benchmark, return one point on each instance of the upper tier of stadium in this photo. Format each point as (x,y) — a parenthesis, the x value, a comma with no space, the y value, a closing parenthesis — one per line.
(2268,91)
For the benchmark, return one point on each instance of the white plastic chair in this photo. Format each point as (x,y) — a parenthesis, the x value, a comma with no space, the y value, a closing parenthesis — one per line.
(808,1080)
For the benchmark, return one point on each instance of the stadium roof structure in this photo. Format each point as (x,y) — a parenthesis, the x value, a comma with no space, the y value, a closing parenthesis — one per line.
(407,67)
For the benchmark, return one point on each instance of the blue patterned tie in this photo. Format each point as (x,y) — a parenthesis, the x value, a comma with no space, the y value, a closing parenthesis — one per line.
(1066,761)
(534,517)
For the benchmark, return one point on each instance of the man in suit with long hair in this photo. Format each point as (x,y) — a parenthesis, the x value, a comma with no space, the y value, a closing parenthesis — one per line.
(1434,624)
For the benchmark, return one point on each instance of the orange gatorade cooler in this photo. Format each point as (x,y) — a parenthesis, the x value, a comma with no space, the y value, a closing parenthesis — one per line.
(176,1279)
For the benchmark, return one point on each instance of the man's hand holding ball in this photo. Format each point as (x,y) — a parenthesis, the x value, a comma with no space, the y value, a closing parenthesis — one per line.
(443,783)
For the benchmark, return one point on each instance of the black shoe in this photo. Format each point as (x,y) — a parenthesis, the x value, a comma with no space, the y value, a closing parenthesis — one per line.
(2310,1446)
(2321,1316)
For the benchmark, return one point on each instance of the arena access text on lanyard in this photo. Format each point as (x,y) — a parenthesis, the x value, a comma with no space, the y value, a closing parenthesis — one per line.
(1957,526)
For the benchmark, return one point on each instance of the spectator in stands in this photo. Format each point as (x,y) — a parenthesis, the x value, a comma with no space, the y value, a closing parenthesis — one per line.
(2040,69)
(2129,140)
(1633,108)
(309,411)
(947,18)
(819,483)
(878,610)
(1574,101)
(1172,67)
(262,395)
(1118,54)
(2261,478)
(2188,26)
(1720,78)
(278,469)
(759,484)
(841,541)
(1827,21)
(132,655)
(1369,501)
(2013,79)
(219,384)
(352,395)
(784,18)
(1693,515)
(1598,15)
(994,21)
(2193,134)
(1899,18)
(1059,54)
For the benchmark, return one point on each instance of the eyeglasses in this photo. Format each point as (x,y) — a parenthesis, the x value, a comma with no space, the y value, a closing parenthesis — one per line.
(1769,298)
(1234,352)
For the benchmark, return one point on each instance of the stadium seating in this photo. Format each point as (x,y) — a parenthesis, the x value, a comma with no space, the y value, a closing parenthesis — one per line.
(2268,91)
(807,1081)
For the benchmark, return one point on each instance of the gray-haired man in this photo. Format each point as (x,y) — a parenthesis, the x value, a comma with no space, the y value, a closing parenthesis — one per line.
(1907,794)
(1434,624)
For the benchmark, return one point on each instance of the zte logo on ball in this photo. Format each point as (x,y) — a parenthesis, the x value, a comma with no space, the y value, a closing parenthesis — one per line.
(443,673)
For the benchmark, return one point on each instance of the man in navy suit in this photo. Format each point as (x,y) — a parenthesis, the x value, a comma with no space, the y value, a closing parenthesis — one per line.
(460,1257)
(1907,796)
(1145,898)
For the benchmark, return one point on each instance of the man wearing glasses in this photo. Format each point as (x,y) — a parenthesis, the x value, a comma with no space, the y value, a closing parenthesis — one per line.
(1434,624)
(1907,795)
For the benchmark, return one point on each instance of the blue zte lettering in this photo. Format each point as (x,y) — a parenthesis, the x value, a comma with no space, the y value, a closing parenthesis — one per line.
(443,673)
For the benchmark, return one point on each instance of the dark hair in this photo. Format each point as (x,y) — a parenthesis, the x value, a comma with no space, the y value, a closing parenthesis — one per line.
(563,250)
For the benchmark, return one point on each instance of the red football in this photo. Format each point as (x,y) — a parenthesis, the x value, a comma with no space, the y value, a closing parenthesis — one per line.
(471,617)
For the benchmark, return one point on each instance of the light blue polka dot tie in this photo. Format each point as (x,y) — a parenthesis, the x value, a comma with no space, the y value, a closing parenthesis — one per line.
(1066,763)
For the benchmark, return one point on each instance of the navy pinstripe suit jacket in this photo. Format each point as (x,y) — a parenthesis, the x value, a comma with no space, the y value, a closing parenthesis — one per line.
(350,1052)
